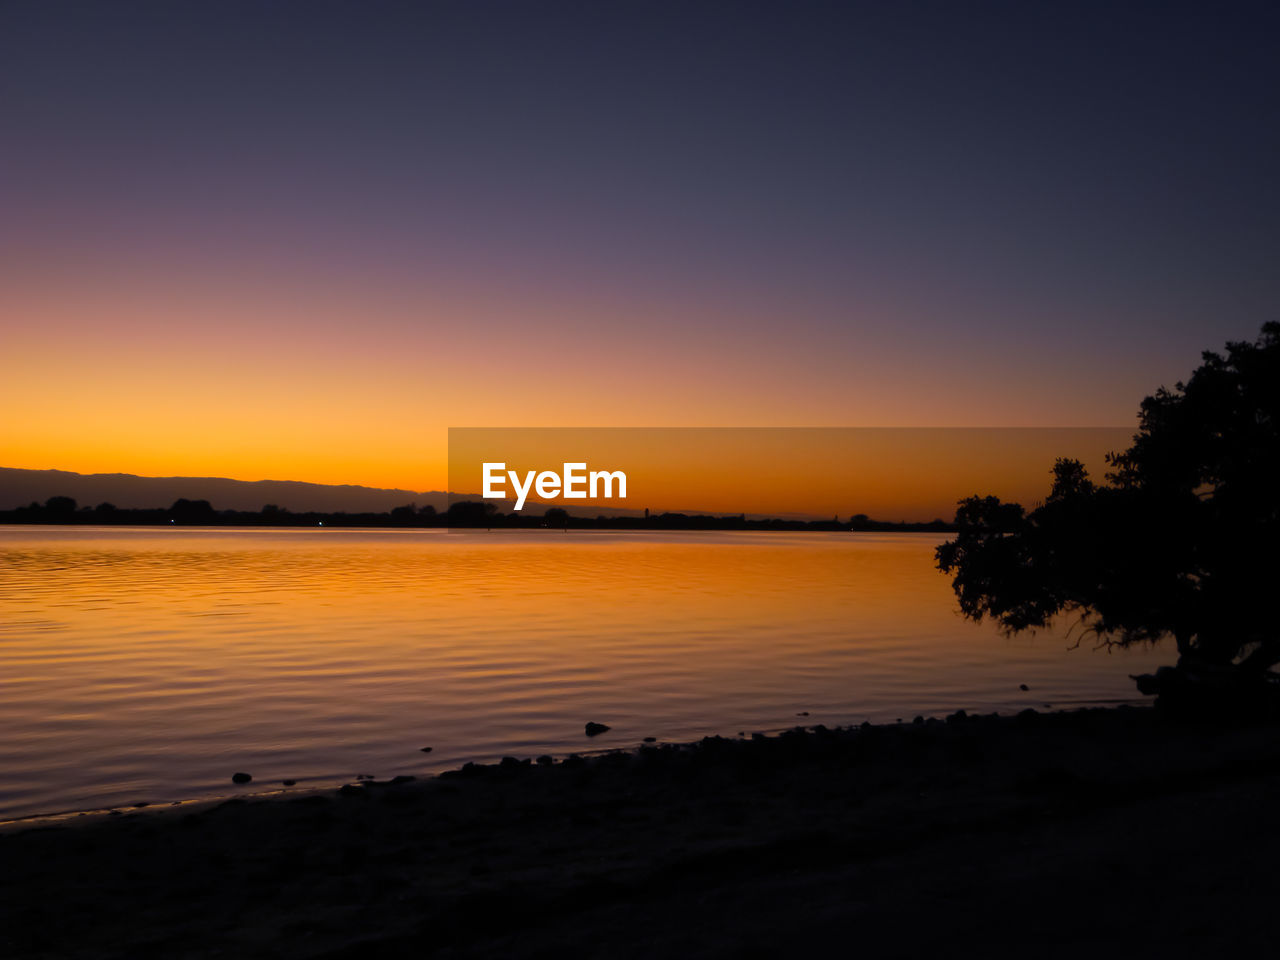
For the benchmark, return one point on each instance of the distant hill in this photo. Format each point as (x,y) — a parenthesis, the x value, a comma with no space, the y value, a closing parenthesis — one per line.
(20,487)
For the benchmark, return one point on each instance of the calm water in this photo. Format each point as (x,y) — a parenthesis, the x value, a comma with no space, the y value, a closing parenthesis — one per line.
(149,665)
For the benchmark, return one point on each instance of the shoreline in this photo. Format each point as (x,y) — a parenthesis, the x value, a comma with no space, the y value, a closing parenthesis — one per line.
(267,789)
(659,523)
(1103,827)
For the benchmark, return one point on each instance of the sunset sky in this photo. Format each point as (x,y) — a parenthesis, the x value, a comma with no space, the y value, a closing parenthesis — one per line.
(301,240)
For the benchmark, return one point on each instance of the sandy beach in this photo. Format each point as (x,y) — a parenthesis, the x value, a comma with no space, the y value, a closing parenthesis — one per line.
(1107,832)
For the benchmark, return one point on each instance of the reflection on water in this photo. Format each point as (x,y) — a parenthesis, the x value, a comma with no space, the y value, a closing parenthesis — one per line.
(148,665)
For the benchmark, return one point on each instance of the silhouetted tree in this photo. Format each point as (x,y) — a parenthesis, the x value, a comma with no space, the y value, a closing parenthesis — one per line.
(556,517)
(60,505)
(192,511)
(471,513)
(1180,541)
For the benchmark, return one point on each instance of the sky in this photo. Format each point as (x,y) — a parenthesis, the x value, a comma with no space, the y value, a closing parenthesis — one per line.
(302,240)
(908,473)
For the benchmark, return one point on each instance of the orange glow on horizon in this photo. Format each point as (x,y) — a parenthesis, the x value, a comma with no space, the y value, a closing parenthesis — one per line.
(251,376)
(889,474)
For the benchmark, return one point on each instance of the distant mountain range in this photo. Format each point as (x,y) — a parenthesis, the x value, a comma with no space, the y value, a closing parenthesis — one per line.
(20,487)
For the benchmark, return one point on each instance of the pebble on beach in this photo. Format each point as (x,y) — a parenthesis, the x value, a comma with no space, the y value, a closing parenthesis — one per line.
(595,729)
(241,777)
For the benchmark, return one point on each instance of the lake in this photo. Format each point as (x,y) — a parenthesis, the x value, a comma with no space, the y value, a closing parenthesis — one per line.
(148,665)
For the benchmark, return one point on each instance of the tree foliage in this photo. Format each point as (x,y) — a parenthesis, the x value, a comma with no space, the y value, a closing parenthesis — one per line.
(1180,541)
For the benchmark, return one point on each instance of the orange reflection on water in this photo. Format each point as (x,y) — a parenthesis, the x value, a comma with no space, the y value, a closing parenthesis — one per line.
(149,665)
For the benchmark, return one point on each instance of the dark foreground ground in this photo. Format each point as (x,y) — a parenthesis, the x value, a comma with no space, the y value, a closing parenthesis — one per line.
(1098,833)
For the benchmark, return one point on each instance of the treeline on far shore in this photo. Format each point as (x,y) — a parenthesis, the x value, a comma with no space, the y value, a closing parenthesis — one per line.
(463,513)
